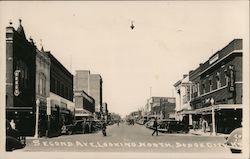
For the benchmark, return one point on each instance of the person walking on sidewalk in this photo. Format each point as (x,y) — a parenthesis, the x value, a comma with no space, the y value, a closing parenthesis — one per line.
(204,125)
(155,127)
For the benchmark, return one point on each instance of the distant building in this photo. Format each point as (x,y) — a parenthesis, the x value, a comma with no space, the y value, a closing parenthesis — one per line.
(91,84)
(84,105)
(96,90)
(162,107)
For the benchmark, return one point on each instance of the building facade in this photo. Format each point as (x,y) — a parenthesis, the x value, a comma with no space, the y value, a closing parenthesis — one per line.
(20,80)
(84,105)
(219,79)
(42,88)
(162,107)
(96,90)
(183,96)
(61,95)
(91,84)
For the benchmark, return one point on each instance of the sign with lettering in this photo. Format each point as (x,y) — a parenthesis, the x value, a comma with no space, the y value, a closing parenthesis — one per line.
(16,87)
(213,59)
(48,106)
(231,78)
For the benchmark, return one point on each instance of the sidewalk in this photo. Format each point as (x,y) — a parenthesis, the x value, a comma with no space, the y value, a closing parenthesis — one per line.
(200,132)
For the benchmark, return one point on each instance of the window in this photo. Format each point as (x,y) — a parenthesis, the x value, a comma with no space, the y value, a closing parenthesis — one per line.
(42,84)
(57,87)
(198,88)
(218,83)
(203,89)
(210,85)
(227,79)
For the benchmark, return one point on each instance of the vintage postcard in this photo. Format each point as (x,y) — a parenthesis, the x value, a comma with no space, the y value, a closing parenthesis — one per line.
(124,79)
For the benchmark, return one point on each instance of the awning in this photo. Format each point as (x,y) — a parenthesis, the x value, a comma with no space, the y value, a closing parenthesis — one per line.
(207,110)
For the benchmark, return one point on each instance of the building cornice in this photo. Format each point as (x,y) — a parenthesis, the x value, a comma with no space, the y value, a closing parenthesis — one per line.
(223,58)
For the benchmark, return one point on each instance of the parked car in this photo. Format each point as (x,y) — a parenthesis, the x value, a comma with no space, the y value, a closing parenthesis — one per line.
(141,121)
(13,139)
(172,126)
(234,141)
(79,126)
(149,124)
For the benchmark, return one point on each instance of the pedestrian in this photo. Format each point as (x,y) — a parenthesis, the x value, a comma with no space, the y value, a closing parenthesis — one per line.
(118,123)
(155,127)
(194,125)
(104,128)
(204,125)
(13,124)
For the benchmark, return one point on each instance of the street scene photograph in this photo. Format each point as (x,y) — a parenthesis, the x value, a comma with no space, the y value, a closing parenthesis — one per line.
(143,79)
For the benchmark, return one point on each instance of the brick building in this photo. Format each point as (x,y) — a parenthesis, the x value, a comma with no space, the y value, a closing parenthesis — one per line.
(61,94)
(219,78)
(90,84)
(162,107)
(20,80)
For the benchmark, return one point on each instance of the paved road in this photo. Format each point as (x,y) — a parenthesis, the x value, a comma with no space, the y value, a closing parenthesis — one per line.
(128,138)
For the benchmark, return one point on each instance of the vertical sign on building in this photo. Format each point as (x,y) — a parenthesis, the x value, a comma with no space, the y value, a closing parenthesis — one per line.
(16,90)
(48,106)
(231,78)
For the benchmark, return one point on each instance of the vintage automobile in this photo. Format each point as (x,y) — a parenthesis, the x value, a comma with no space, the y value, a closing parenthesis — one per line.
(79,126)
(234,141)
(13,139)
(141,121)
(172,126)
(149,124)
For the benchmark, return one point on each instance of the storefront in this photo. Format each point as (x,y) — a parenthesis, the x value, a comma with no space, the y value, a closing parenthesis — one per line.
(227,117)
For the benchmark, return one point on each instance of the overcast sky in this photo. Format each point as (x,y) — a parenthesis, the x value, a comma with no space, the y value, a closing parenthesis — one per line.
(169,40)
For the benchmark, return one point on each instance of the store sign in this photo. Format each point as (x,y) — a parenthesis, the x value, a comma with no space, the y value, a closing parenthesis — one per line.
(231,79)
(48,106)
(16,89)
(213,59)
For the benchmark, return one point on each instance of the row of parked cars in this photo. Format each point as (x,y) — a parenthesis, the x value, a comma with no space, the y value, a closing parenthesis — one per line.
(81,127)
(233,141)
(168,126)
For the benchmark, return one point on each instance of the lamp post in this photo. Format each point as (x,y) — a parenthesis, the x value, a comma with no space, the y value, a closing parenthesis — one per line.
(213,117)
(37,117)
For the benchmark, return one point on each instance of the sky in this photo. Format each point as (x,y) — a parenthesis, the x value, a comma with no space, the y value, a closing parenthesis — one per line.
(170,38)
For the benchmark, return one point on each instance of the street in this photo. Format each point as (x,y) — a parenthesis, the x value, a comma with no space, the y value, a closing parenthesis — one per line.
(128,138)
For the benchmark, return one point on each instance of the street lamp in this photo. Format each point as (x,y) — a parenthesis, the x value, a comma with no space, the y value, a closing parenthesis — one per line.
(213,116)
(37,117)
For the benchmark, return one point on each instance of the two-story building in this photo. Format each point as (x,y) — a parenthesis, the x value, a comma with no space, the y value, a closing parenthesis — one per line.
(217,88)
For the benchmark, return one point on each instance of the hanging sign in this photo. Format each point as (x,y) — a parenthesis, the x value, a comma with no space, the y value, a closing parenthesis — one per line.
(231,78)
(48,106)
(16,88)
